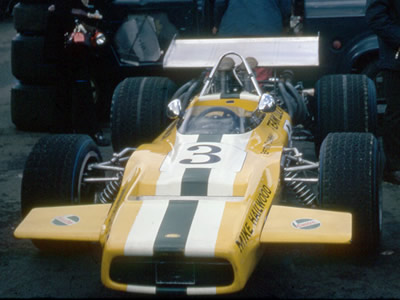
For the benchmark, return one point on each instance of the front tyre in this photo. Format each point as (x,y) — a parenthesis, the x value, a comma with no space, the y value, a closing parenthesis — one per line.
(350,181)
(55,170)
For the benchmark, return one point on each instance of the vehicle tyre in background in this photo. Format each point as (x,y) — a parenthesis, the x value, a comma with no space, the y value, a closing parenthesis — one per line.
(350,180)
(101,89)
(345,103)
(138,110)
(29,62)
(31,18)
(372,70)
(54,175)
(39,108)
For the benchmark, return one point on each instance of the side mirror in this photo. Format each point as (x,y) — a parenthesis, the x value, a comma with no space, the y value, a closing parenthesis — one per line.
(174,109)
(267,103)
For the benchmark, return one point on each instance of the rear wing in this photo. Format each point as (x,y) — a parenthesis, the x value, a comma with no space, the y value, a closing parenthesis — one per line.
(269,52)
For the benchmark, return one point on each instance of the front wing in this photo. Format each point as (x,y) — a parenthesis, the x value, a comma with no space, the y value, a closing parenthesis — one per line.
(287,224)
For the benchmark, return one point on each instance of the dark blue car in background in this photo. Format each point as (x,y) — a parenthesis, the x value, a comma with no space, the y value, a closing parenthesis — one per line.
(346,46)
(346,43)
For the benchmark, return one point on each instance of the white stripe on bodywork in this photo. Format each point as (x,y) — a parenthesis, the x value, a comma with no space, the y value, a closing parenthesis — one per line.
(167,183)
(201,290)
(223,172)
(189,291)
(221,181)
(201,239)
(144,230)
(202,235)
(204,230)
(141,289)
(183,198)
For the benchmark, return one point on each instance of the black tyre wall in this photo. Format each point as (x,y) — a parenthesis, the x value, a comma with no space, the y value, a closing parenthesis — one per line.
(31,18)
(350,180)
(345,103)
(28,61)
(39,108)
(138,110)
(50,176)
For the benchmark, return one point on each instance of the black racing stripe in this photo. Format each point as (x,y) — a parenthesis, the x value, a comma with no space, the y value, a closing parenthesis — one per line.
(174,229)
(195,182)
(169,291)
(209,138)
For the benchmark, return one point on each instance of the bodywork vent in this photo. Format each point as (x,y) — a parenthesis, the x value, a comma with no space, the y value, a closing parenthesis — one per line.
(171,272)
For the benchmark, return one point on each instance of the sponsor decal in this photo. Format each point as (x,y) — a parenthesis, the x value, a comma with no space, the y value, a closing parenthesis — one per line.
(275,118)
(256,210)
(306,224)
(172,235)
(65,220)
(267,144)
(208,155)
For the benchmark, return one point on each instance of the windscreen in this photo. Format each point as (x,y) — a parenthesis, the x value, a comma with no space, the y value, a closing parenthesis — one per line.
(219,120)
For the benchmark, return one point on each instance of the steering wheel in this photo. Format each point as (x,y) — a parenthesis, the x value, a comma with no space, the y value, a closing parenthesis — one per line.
(224,121)
(226,113)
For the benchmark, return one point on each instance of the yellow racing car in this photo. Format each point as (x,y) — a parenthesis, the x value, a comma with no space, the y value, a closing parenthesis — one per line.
(193,210)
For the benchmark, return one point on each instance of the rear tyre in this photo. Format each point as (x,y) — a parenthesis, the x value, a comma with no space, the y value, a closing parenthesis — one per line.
(373,71)
(350,181)
(54,176)
(345,103)
(138,110)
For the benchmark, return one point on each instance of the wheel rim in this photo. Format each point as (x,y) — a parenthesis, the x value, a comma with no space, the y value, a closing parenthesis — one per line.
(83,189)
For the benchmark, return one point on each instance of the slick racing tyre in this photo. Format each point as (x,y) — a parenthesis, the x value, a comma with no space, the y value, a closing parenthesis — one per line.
(345,103)
(54,175)
(55,169)
(350,181)
(373,71)
(138,110)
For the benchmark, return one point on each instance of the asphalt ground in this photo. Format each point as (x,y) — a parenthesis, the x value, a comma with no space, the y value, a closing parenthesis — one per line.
(300,272)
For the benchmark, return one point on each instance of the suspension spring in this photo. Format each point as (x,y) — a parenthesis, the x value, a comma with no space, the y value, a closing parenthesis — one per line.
(111,190)
(302,191)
